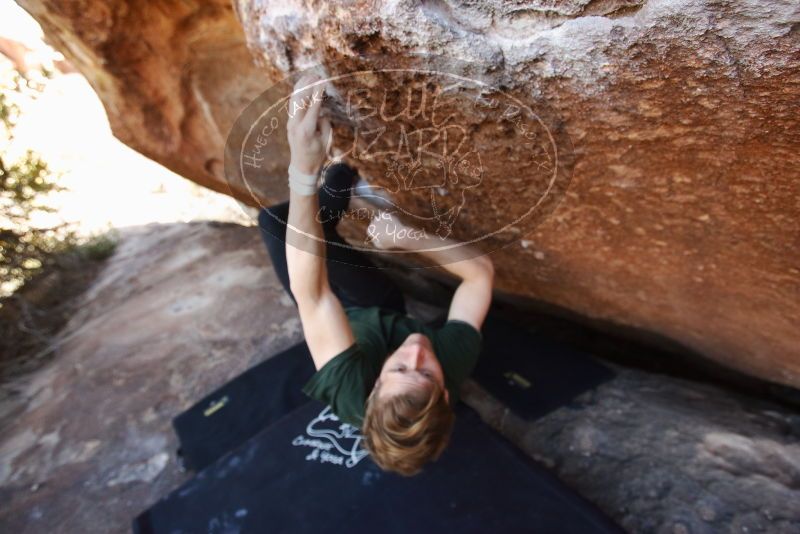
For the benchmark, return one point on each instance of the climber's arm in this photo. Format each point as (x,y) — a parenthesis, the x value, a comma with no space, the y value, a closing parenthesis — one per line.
(473,296)
(325,325)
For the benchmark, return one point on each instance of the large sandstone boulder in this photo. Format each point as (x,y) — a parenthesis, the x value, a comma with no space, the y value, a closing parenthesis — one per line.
(678,208)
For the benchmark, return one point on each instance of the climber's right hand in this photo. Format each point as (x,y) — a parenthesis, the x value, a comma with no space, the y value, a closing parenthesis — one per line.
(308,133)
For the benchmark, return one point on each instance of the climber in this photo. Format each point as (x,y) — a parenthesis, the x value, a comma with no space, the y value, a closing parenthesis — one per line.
(379,369)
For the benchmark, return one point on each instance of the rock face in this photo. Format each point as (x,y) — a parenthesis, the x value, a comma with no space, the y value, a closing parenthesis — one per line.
(173,76)
(677,122)
(666,455)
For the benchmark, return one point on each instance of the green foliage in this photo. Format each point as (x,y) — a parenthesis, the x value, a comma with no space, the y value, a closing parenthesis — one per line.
(42,269)
(24,248)
(23,181)
(8,113)
(99,247)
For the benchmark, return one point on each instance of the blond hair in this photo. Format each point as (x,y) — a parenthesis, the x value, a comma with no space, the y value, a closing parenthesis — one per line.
(404,431)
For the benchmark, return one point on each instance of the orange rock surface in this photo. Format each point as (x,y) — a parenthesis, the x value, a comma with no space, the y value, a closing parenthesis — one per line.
(679,122)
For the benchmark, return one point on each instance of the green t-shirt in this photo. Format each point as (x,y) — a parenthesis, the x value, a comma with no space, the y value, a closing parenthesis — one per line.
(345,382)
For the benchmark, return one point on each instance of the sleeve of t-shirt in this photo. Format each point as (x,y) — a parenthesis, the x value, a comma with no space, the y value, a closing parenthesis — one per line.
(340,384)
(460,346)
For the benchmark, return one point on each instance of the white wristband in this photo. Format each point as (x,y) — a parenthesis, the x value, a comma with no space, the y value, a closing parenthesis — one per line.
(302,184)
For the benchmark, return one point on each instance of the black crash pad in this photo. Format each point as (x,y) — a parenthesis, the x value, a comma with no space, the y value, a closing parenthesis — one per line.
(308,473)
(531,374)
(527,372)
(243,407)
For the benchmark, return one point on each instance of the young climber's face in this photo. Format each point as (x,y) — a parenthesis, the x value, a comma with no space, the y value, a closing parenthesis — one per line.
(412,366)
